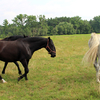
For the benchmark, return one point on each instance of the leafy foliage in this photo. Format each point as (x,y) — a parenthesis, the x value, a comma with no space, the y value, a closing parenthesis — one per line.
(40,26)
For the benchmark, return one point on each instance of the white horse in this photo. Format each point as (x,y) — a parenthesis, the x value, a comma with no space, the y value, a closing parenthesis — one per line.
(93,54)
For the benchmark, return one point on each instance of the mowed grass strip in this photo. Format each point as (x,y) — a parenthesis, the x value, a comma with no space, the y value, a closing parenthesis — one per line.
(59,78)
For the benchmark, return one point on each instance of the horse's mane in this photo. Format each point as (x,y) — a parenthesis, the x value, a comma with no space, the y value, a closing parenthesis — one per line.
(93,43)
(15,37)
(33,39)
(11,38)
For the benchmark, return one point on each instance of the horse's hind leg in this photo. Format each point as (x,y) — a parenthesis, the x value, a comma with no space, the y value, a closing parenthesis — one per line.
(19,71)
(25,65)
(2,79)
(98,65)
(3,71)
(95,64)
(98,73)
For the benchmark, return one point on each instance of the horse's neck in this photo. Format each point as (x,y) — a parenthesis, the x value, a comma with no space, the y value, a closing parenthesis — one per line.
(38,45)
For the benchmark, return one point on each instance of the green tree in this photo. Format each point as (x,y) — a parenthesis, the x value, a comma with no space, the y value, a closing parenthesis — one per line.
(31,21)
(50,28)
(13,29)
(40,26)
(20,20)
(85,27)
(5,25)
(54,31)
(95,24)
(65,28)
(2,31)
(76,23)
(43,27)
(27,32)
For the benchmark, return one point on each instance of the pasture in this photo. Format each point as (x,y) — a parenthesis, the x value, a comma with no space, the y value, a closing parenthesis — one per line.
(59,78)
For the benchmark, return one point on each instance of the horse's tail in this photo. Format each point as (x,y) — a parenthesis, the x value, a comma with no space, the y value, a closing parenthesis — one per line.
(91,54)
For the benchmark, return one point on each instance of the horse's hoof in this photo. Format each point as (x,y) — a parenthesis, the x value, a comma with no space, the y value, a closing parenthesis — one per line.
(3,72)
(20,73)
(98,81)
(26,81)
(18,78)
(3,81)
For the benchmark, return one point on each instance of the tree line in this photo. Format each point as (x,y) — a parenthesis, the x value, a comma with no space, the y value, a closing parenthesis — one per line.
(40,26)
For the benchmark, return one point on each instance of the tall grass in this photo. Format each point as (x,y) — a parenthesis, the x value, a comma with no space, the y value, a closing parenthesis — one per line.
(60,78)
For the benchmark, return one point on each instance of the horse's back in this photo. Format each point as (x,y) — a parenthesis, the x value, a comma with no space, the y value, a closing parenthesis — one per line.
(13,51)
(94,40)
(12,38)
(8,51)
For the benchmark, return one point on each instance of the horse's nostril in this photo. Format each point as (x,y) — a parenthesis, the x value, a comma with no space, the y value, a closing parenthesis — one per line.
(53,55)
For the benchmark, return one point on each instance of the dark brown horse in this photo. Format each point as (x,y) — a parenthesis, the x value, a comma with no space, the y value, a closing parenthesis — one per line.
(12,38)
(23,49)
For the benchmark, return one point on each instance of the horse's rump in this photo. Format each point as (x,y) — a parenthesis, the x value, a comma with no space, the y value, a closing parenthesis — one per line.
(91,54)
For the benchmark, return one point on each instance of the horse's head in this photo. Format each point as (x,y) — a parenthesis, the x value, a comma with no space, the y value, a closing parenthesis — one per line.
(50,47)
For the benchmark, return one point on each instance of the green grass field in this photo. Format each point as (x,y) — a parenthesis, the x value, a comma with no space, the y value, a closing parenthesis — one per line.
(59,78)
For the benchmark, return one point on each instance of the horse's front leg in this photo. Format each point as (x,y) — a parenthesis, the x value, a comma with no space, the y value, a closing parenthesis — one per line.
(97,67)
(27,70)
(19,71)
(25,65)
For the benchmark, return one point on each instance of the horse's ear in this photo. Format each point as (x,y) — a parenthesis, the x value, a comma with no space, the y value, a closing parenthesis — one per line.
(49,38)
(24,35)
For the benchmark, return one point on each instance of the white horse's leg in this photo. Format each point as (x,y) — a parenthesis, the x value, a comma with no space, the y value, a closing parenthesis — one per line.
(98,73)
(98,65)
(95,64)
(97,68)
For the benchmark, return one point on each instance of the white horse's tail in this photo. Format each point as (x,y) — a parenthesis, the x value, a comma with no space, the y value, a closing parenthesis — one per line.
(91,54)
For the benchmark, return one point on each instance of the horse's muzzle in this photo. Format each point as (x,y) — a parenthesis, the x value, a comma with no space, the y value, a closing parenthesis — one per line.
(53,55)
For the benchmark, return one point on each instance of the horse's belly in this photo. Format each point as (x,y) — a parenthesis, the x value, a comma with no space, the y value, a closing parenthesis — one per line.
(13,52)
(9,56)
